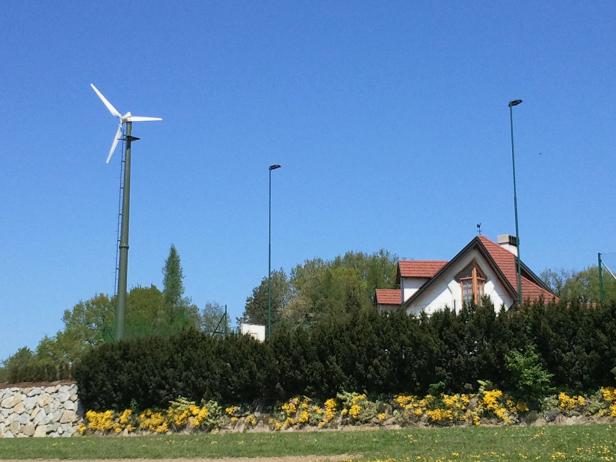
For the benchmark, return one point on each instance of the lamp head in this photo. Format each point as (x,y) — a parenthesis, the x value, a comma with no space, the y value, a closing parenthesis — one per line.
(274,167)
(514,102)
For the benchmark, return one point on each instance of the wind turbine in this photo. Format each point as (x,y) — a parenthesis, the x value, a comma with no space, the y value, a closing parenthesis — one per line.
(126,123)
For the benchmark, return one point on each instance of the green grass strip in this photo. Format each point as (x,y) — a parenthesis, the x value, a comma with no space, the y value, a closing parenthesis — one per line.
(579,443)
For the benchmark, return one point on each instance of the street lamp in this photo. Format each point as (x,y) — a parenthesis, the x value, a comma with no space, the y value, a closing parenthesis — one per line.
(511,104)
(269,256)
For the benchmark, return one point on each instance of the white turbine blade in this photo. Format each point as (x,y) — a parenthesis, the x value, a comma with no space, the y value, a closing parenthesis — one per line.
(142,119)
(107,104)
(115,142)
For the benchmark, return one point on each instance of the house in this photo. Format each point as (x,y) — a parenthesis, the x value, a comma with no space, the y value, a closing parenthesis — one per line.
(481,268)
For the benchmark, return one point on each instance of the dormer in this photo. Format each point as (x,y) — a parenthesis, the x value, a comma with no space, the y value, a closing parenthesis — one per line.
(413,274)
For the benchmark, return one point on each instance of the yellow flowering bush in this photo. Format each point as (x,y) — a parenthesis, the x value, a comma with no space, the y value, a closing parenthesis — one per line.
(82,428)
(441,410)
(569,404)
(179,412)
(184,414)
(492,405)
(458,406)
(102,422)
(300,411)
(250,421)
(107,422)
(439,416)
(329,412)
(608,394)
(357,409)
(410,409)
(489,406)
(126,421)
(153,421)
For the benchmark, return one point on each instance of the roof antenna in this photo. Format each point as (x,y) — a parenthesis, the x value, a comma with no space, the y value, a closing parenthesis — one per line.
(478,229)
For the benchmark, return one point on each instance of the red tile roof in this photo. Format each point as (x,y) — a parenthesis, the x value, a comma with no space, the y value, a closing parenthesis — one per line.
(420,268)
(506,262)
(388,296)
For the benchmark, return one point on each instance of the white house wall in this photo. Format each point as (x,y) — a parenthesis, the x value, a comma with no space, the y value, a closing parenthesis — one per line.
(446,291)
(387,308)
(410,286)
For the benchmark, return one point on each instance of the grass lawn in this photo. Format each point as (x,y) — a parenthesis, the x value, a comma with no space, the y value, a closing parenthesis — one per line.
(588,442)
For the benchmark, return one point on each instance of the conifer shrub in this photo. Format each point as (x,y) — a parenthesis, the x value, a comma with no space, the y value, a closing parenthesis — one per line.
(362,351)
(151,372)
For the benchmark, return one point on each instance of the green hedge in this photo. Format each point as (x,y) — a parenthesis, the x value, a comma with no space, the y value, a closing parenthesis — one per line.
(380,354)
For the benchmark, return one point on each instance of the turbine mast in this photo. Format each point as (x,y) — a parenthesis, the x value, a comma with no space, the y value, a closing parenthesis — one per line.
(126,120)
(123,264)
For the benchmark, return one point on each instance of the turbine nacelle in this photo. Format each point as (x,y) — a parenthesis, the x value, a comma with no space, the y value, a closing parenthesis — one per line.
(128,117)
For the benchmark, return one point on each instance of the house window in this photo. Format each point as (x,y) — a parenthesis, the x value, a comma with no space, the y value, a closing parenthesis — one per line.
(472,281)
(467,291)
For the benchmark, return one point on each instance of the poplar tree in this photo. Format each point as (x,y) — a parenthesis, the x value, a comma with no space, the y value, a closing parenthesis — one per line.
(173,280)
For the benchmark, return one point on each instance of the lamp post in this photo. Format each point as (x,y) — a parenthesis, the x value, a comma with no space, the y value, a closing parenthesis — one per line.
(511,104)
(269,255)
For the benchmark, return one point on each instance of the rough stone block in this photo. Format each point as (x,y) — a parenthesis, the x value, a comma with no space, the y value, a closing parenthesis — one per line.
(15,427)
(28,430)
(40,431)
(34,409)
(40,417)
(70,405)
(9,402)
(44,400)
(68,417)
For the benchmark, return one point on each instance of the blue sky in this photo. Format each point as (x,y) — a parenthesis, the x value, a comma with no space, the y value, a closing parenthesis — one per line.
(390,120)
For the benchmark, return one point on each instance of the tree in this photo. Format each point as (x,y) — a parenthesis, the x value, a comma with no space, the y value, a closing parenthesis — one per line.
(179,313)
(212,319)
(581,286)
(584,286)
(327,294)
(173,280)
(321,288)
(556,279)
(21,367)
(90,322)
(376,270)
(147,313)
(256,309)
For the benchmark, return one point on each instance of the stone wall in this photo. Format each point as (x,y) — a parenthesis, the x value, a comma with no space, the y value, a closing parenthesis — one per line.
(39,410)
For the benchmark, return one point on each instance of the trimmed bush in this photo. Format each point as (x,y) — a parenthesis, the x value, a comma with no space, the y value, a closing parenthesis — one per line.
(364,351)
(150,372)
